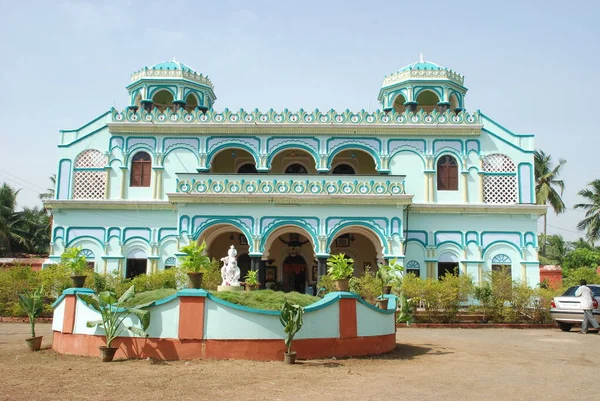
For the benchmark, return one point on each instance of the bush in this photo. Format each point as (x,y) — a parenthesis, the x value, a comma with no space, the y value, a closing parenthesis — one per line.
(588,274)
(367,286)
(15,280)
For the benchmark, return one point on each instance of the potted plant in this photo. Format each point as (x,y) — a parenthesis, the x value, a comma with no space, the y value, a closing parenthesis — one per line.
(195,263)
(113,312)
(340,269)
(291,319)
(32,303)
(77,263)
(251,280)
(387,274)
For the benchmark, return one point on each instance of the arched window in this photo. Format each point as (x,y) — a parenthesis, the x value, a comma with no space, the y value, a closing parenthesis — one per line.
(447,174)
(248,168)
(343,169)
(501,185)
(89,178)
(501,262)
(170,262)
(413,267)
(141,170)
(296,168)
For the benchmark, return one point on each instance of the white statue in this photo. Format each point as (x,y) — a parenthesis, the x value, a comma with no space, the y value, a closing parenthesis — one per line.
(230,272)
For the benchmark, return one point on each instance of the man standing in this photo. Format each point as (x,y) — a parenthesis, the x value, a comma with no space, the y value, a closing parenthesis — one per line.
(587,304)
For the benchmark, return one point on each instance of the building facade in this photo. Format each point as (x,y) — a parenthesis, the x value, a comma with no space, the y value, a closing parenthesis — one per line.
(421,180)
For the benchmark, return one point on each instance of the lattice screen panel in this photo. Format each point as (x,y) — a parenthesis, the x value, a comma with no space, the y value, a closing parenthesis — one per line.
(500,189)
(89,184)
(498,163)
(91,159)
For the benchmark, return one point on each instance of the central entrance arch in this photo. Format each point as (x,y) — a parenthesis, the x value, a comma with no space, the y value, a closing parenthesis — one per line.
(294,273)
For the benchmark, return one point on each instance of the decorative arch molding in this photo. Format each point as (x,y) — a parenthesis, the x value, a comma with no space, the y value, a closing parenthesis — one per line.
(76,233)
(154,89)
(502,259)
(136,249)
(472,237)
(454,237)
(210,233)
(293,145)
(311,144)
(489,238)
(141,233)
(116,142)
(418,236)
(217,145)
(379,243)
(504,248)
(530,239)
(419,146)
(147,142)
(167,232)
(396,94)
(286,226)
(421,89)
(449,152)
(243,224)
(170,144)
(372,146)
(373,225)
(455,145)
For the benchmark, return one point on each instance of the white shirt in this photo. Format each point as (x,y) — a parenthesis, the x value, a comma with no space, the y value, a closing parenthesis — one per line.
(586,297)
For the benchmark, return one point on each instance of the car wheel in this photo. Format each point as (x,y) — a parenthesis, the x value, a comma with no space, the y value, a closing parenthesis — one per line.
(565,326)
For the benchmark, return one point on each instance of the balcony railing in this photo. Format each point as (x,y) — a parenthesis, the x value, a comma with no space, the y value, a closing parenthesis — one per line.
(290,185)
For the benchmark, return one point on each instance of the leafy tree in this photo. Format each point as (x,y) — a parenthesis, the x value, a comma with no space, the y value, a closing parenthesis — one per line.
(580,258)
(581,243)
(555,249)
(9,218)
(548,184)
(591,222)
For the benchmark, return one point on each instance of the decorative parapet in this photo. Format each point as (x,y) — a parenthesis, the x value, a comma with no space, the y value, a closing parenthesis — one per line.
(171,74)
(274,185)
(422,74)
(301,117)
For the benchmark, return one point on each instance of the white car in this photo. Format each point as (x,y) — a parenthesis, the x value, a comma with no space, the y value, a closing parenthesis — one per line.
(566,309)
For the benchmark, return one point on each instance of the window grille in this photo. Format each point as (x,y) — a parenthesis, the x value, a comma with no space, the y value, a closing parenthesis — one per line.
(499,188)
(89,177)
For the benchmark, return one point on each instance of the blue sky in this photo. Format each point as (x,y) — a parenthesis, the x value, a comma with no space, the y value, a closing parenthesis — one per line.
(530,65)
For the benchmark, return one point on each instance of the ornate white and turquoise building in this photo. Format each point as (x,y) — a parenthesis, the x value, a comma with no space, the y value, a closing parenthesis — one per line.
(422,180)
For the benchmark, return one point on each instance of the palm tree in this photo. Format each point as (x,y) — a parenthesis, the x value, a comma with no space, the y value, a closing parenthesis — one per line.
(34,224)
(591,222)
(557,249)
(49,194)
(9,220)
(547,183)
(581,243)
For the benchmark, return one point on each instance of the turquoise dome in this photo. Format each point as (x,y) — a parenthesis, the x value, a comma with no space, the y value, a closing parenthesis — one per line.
(173,65)
(422,65)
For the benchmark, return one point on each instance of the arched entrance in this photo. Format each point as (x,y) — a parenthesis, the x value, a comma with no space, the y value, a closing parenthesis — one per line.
(294,273)
(362,245)
(218,240)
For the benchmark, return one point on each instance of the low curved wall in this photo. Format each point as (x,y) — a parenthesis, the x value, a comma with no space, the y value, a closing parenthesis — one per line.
(195,324)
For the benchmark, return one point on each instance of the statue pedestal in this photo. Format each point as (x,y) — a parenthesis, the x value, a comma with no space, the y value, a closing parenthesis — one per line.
(230,288)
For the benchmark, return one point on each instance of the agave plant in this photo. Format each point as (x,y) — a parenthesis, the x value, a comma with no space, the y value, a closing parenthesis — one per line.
(113,313)
(291,320)
(32,304)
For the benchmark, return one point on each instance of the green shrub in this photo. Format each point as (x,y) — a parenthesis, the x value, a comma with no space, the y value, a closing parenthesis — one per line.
(265,299)
(572,277)
(325,285)
(212,276)
(15,280)
(367,286)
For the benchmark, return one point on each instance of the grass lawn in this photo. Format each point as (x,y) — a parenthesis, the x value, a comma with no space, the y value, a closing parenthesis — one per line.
(262,299)
(265,299)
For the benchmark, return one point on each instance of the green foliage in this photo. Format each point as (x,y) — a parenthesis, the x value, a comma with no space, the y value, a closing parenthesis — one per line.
(581,257)
(195,259)
(113,311)
(212,276)
(340,267)
(588,274)
(326,284)
(252,277)
(291,320)
(75,262)
(368,286)
(389,274)
(14,280)
(144,298)
(406,310)
(591,221)
(265,299)
(32,303)
(441,298)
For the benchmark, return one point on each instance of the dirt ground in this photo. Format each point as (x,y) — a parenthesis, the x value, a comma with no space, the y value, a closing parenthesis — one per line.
(428,364)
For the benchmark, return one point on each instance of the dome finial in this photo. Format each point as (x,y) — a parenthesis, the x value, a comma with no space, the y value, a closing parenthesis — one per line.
(420,57)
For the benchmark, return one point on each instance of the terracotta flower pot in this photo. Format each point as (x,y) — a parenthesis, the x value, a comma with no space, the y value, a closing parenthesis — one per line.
(251,287)
(387,289)
(34,343)
(78,281)
(107,353)
(382,303)
(195,280)
(290,358)
(342,285)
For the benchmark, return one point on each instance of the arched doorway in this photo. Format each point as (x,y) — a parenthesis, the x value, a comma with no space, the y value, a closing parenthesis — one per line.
(294,273)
